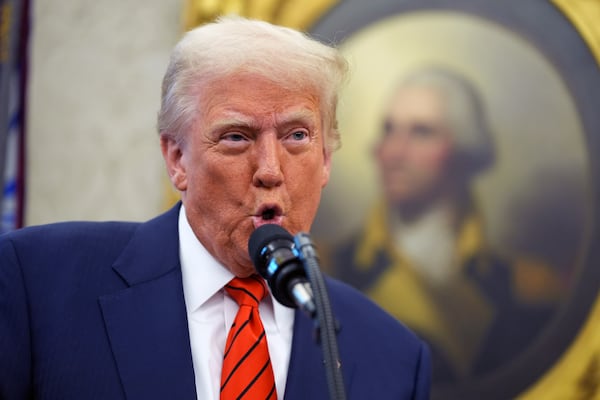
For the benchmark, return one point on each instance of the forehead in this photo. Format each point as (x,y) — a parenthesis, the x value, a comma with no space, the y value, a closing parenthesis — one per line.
(417,101)
(254,95)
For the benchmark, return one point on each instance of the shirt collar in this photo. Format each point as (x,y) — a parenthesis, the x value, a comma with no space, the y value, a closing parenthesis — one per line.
(203,276)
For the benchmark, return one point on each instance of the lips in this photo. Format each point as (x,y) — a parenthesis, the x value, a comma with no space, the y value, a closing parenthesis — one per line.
(268,214)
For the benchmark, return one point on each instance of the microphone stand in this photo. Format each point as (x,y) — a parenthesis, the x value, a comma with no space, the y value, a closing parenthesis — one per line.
(326,325)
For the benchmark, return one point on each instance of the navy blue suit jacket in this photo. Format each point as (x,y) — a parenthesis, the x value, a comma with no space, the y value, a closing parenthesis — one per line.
(96,311)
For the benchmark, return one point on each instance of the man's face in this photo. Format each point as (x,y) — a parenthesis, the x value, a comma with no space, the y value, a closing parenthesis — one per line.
(255,156)
(415,150)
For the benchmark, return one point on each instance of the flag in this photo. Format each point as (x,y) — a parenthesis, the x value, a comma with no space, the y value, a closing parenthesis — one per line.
(14,38)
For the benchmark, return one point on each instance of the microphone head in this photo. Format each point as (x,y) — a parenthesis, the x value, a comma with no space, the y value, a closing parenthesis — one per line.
(261,237)
(273,253)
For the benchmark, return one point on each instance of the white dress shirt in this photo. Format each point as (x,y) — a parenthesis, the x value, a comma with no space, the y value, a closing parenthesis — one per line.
(211,312)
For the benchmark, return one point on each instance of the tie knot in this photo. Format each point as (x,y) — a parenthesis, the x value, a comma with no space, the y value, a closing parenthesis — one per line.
(247,291)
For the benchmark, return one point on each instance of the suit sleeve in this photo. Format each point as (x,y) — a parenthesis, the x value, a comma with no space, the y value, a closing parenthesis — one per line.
(15,340)
(423,376)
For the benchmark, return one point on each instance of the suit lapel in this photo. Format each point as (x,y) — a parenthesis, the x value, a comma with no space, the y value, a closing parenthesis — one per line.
(147,322)
(306,375)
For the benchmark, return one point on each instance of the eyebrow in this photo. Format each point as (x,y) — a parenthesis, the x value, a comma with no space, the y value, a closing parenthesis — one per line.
(240,121)
(304,117)
(234,122)
(303,114)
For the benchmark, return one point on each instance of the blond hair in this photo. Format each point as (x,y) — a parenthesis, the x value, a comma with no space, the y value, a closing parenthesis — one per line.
(235,44)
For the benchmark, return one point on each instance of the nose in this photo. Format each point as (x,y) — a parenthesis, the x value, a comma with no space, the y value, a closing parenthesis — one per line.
(268,155)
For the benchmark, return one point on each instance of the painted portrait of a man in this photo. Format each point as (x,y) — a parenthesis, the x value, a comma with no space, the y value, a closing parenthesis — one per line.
(423,254)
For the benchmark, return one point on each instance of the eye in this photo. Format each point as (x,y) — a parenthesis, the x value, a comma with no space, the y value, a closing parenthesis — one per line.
(233,142)
(233,137)
(388,127)
(423,130)
(297,140)
(299,135)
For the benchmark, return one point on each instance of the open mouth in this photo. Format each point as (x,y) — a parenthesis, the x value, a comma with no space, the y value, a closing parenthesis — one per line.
(268,214)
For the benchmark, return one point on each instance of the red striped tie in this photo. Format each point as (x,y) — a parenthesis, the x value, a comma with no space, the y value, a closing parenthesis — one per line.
(247,372)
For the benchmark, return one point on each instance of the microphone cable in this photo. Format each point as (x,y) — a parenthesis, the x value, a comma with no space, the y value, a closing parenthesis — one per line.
(326,324)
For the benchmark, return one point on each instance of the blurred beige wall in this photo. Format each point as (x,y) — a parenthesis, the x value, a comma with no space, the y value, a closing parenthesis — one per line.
(94,93)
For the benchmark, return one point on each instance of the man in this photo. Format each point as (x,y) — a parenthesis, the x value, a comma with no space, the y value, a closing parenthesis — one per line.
(142,311)
(422,254)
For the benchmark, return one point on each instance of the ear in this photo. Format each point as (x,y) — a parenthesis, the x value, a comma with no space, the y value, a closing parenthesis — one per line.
(173,154)
(327,154)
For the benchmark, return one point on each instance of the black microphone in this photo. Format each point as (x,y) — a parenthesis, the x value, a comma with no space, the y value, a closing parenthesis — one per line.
(276,259)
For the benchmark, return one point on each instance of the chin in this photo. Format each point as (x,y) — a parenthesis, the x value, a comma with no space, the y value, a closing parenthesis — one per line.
(244,273)
(244,269)
(401,198)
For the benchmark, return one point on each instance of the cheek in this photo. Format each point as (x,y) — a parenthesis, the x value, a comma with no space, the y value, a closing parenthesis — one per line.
(387,156)
(304,190)
(220,173)
(379,154)
(216,186)
(434,159)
